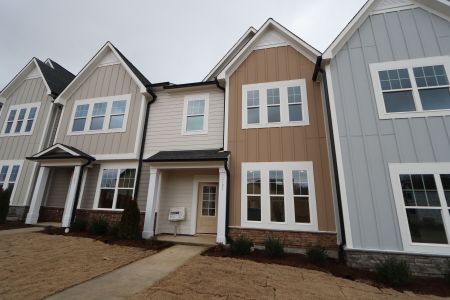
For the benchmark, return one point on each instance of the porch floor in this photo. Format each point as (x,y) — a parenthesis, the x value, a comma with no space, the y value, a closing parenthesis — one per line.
(199,239)
(45,224)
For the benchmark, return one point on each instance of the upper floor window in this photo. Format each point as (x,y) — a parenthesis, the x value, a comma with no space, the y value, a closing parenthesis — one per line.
(412,88)
(20,119)
(195,114)
(101,115)
(275,104)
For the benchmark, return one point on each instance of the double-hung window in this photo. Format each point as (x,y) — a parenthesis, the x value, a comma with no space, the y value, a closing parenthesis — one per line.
(9,173)
(21,119)
(274,104)
(100,115)
(116,187)
(195,114)
(422,196)
(278,195)
(412,88)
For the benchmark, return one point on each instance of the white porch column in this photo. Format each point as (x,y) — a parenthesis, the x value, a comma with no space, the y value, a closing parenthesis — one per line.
(222,206)
(38,195)
(152,199)
(70,199)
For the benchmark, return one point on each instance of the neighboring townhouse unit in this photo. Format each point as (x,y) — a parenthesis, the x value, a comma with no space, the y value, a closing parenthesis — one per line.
(93,164)
(275,130)
(28,120)
(388,83)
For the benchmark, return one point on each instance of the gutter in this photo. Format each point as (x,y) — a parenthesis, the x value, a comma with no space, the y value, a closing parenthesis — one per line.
(318,70)
(144,135)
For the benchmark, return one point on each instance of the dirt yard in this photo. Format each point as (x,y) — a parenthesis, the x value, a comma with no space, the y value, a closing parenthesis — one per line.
(35,265)
(227,278)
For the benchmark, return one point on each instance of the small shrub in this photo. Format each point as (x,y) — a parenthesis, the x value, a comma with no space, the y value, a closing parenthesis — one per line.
(79,226)
(4,204)
(129,223)
(274,247)
(447,274)
(99,226)
(241,246)
(393,272)
(114,230)
(317,255)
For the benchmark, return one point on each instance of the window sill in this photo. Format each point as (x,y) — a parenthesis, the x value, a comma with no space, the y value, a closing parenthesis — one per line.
(121,130)
(203,132)
(109,209)
(275,125)
(16,134)
(417,114)
(279,226)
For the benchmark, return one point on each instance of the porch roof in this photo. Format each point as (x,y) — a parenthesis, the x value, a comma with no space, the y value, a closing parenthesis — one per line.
(61,151)
(189,155)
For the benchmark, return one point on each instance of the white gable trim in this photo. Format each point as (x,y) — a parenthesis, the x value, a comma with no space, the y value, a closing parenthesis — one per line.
(91,67)
(56,146)
(298,44)
(23,75)
(437,7)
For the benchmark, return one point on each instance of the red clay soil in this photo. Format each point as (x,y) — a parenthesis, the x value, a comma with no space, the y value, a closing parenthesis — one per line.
(425,286)
(13,225)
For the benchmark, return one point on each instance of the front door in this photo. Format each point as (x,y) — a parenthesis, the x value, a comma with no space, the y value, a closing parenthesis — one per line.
(207,208)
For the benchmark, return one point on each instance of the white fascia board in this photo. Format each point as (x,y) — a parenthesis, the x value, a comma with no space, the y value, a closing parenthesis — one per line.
(60,146)
(301,46)
(89,68)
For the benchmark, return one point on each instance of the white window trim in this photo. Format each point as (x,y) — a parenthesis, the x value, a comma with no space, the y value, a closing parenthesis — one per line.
(284,105)
(117,165)
(10,164)
(407,64)
(18,107)
(187,99)
(91,102)
(287,168)
(396,169)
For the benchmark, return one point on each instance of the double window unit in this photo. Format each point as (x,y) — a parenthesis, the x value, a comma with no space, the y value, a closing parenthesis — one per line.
(20,119)
(275,104)
(101,115)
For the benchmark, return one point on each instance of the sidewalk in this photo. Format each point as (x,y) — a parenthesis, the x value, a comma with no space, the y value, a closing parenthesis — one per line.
(133,278)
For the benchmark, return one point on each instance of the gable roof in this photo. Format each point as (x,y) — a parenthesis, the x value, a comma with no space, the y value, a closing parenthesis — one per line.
(55,78)
(144,84)
(60,151)
(243,40)
(437,7)
(300,45)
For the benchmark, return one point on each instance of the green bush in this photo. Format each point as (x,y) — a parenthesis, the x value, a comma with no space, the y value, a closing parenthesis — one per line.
(79,226)
(447,274)
(114,230)
(129,223)
(4,204)
(241,245)
(317,255)
(99,226)
(274,247)
(393,272)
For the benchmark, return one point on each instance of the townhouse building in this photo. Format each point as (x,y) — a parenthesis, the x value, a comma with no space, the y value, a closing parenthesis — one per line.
(389,98)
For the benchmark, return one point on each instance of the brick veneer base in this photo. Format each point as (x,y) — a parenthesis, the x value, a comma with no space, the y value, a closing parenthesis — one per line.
(50,214)
(420,265)
(113,217)
(17,213)
(292,239)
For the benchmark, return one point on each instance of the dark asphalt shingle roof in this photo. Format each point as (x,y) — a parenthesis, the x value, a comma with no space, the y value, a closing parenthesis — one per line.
(57,78)
(189,155)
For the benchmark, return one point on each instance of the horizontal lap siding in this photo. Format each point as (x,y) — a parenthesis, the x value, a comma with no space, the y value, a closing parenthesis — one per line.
(368,143)
(19,147)
(166,117)
(303,143)
(104,81)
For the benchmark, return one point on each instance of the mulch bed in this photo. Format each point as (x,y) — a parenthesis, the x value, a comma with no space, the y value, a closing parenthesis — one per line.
(13,225)
(419,285)
(109,239)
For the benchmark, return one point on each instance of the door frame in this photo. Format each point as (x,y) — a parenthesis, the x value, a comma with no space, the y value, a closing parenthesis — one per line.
(197,180)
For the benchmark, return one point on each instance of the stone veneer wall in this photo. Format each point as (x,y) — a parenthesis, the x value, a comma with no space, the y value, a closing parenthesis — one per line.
(18,213)
(291,239)
(420,265)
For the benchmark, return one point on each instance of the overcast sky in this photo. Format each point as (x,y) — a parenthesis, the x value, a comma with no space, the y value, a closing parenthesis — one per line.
(167,40)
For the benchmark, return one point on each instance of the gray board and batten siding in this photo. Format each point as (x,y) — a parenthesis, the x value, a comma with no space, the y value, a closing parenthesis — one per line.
(368,143)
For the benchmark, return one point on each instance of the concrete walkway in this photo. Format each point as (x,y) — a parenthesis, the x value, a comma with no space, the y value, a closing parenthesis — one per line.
(133,278)
(20,230)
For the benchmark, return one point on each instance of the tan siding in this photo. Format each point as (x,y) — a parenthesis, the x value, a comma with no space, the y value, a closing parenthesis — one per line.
(104,81)
(306,143)
(90,187)
(58,186)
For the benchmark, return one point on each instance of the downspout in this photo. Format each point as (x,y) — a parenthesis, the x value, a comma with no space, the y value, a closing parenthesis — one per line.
(144,134)
(78,190)
(225,166)
(318,70)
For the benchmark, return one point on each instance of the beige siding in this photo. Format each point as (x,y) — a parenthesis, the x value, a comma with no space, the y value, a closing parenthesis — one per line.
(19,147)
(104,81)
(90,187)
(304,143)
(166,117)
(58,186)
